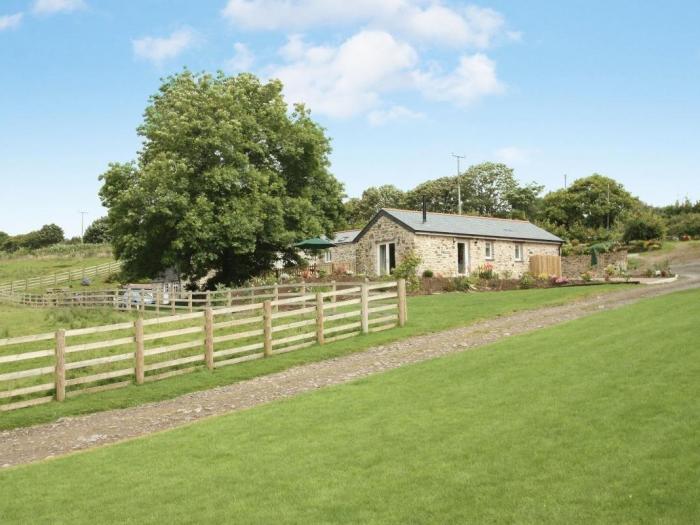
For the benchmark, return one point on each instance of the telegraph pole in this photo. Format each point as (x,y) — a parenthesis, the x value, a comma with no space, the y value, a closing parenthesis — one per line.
(459,190)
(565,184)
(82,224)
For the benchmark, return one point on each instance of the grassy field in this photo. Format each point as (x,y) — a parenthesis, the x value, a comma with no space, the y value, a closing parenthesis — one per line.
(25,267)
(426,314)
(591,421)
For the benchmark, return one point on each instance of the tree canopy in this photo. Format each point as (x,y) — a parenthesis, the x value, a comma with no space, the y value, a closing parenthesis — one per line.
(45,236)
(227,179)
(98,232)
(360,211)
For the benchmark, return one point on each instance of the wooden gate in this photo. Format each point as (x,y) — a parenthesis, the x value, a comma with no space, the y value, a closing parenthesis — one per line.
(545,264)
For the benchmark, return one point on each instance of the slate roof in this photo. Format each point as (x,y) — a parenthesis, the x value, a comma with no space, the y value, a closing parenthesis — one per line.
(345,237)
(468,225)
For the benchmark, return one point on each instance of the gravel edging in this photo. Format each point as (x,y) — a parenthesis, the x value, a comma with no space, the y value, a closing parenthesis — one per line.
(70,434)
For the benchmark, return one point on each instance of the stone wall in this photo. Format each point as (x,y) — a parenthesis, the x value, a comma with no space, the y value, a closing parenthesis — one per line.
(573,266)
(340,254)
(439,254)
(384,230)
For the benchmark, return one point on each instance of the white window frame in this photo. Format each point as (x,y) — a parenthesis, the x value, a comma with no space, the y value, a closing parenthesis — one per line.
(519,254)
(327,256)
(466,257)
(488,245)
(387,267)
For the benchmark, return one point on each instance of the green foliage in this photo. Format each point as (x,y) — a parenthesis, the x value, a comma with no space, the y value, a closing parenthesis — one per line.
(48,235)
(644,226)
(463,284)
(428,273)
(485,271)
(98,232)
(687,224)
(585,205)
(227,179)
(407,269)
(360,211)
(526,281)
(488,189)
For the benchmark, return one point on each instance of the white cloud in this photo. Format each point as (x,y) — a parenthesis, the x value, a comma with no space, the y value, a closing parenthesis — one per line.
(56,6)
(158,50)
(474,77)
(435,22)
(513,155)
(379,117)
(10,21)
(242,60)
(345,80)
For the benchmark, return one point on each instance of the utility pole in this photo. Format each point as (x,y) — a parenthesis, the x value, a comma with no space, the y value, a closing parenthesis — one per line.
(565,184)
(459,190)
(82,224)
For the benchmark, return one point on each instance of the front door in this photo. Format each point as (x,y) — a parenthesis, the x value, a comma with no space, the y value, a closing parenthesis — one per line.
(462,258)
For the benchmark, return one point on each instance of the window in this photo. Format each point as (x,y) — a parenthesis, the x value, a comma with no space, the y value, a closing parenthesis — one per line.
(488,250)
(462,258)
(386,258)
(327,256)
(518,252)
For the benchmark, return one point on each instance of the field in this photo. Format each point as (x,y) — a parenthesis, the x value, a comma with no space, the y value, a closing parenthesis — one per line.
(548,427)
(426,314)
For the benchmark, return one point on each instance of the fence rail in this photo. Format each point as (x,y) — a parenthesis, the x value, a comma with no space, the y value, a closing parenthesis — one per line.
(93,359)
(11,287)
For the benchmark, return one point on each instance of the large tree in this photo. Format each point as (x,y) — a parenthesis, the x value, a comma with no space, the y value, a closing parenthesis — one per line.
(590,202)
(227,179)
(98,232)
(360,211)
(488,189)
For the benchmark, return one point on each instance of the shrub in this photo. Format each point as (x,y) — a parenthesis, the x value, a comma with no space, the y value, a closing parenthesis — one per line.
(685,225)
(463,284)
(644,226)
(587,277)
(406,269)
(526,281)
(427,273)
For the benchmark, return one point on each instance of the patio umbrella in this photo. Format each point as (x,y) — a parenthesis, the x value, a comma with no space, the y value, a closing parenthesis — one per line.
(316,243)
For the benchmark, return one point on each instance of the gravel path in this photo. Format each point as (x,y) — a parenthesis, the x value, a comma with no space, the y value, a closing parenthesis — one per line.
(25,445)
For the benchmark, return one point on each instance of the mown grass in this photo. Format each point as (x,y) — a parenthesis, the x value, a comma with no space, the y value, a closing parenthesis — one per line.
(426,314)
(27,267)
(591,421)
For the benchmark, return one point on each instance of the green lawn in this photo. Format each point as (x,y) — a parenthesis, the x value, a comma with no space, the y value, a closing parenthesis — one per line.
(426,314)
(27,267)
(591,421)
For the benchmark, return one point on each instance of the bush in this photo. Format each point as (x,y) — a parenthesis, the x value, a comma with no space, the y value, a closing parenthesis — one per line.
(427,273)
(587,277)
(526,281)
(644,227)
(463,284)
(485,271)
(685,225)
(407,269)
(98,232)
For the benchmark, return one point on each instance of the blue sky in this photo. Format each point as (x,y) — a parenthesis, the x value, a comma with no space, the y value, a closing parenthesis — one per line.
(547,87)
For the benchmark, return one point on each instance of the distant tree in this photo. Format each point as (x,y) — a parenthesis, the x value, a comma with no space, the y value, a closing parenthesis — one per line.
(360,211)
(686,224)
(488,189)
(227,180)
(644,226)
(590,202)
(4,237)
(97,232)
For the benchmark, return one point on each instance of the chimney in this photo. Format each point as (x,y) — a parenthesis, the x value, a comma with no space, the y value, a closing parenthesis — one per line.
(425,211)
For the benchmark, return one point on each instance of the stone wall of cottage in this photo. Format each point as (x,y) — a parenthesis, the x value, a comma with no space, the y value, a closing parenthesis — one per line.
(383,231)
(439,254)
(341,254)
(573,266)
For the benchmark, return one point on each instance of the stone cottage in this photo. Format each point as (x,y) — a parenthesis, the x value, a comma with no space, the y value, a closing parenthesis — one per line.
(448,245)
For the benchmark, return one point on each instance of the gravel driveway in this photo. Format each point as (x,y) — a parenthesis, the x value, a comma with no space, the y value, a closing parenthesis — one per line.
(25,445)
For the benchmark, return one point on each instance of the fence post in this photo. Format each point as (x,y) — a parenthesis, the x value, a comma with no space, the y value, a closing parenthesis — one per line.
(364,307)
(60,370)
(171,297)
(128,297)
(267,328)
(276,295)
(228,298)
(158,301)
(320,339)
(334,297)
(303,292)
(209,338)
(26,285)
(208,303)
(252,296)
(138,353)
(401,289)
(189,301)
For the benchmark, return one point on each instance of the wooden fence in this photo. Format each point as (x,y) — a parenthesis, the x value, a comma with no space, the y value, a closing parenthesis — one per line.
(12,287)
(107,357)
(545,264)
(163,299)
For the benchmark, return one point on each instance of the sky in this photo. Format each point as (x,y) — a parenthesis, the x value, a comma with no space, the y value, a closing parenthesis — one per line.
(549,88)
